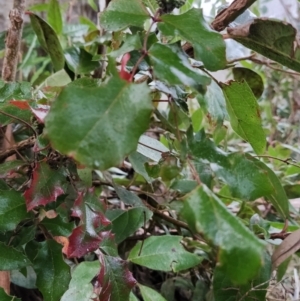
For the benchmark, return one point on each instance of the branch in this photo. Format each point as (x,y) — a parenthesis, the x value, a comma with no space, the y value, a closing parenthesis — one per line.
(230,13)
(14,149)
(13,41)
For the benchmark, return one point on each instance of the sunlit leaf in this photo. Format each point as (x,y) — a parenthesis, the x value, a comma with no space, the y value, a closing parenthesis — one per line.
(54,16)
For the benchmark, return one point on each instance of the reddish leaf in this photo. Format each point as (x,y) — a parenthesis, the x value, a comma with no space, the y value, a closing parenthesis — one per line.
(21,104)
(123,73)
(87,237)
(114,281)
(46,186)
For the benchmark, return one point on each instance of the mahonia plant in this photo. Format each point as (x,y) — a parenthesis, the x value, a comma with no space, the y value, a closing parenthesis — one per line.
(139,175)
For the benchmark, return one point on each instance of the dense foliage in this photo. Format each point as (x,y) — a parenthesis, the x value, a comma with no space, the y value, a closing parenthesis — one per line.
(140,175)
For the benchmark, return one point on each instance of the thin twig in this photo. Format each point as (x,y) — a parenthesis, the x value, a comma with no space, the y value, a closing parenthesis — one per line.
(17,147)
(286,161)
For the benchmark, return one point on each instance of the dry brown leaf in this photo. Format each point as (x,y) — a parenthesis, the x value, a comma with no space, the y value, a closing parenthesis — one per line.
(287,248)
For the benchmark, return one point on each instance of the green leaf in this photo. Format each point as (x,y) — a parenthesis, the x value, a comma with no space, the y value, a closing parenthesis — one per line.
(209,46)
(5,297)
(57,226)
(12,210)
(247,177)
(254,80)
(53,274)
(171,64)
(126,222)
(131,42)
(106,122)
(244,114)
(255,289)
(163,253)
(123,13)
(12,259)
(213,102)
(80,61)
(152,5)
(48,40)
(14,90)
(237,246)
(150,294)
(80,287)
(54,16)
(271,38)
(138,161)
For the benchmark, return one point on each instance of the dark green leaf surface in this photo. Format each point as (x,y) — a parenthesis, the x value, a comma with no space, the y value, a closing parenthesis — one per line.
(131,42)
(53,274)
(244,114)
(271,38)
(163,253)
(54,16)
(209,46)
(12,259)
(253,79)
(80,61)
(171,64)
(123,13)
(126,222)
(80,287)
(48,40)
(237,246)
(57,226)
(104,123)
(12,210)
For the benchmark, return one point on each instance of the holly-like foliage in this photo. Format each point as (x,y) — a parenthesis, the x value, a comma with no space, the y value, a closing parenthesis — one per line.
(138,174)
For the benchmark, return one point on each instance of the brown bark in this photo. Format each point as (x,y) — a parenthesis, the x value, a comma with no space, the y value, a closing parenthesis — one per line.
(12,48)
(230,13)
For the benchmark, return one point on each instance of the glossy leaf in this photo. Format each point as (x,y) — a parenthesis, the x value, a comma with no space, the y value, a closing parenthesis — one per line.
(57,226)
(80,287)
(121,14)
(54,16)
(114,281)
(86,237)
(46,185)
(12,210)
(244,114)
(48,40)
(131,42)
(12,259)
(271,38)
(150,294)
(171,64)
(98,140)
(163,253)
(253,79)
(53,274)
(126,222)
(210,49)
(206,214)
